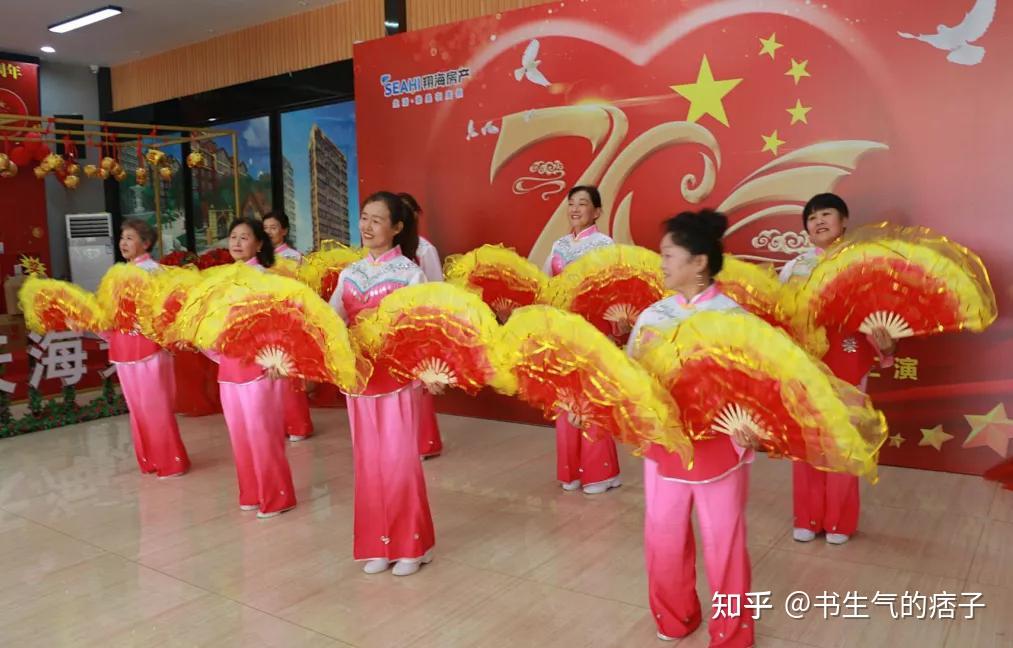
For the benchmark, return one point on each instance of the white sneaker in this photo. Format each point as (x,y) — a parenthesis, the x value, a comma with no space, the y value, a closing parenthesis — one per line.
(263,516)
(803,535)
(571,486)
(249,507)
(837,538)
(376,566)
(665,637)
(409,567)
(297,437)
(173,476)
(601,487)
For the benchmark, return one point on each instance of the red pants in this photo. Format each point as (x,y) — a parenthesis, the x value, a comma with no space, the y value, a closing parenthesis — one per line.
(671,552)
(824,501)
(149,387)
(254,414)
(591,460)
(430,443)
(297,410)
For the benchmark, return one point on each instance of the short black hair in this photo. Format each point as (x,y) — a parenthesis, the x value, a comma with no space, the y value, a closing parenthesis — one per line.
(823,201)
(591,191)
(279,216)
(700,233)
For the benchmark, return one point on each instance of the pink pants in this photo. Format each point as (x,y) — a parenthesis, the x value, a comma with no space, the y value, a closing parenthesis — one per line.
(824,501)
(430,443)
(149,387)
(255,417)
(591,460)
(392,518)
(670,551)
(297,410)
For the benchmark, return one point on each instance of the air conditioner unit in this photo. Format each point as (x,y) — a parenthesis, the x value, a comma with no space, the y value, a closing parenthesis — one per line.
(89,248)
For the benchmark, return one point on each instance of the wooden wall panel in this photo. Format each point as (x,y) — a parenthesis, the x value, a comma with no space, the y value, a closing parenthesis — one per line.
(297,42)
(428,13)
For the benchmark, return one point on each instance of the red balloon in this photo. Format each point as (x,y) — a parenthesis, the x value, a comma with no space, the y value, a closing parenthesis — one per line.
(41,152)
(20,156)
(33,144)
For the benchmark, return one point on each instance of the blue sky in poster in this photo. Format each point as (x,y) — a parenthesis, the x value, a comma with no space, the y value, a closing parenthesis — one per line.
(337,121)
(254,137)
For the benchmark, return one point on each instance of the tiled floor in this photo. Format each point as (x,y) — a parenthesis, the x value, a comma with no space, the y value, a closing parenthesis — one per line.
(94,554)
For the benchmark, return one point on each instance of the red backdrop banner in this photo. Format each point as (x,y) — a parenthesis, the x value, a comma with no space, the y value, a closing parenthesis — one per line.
(747,107)
(23,227)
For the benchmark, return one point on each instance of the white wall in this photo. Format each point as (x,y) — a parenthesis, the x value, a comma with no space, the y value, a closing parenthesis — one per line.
(69,89)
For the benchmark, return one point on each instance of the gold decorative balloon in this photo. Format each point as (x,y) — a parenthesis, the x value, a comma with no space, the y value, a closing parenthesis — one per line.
(165,172)
(4,161)
(90,170)
(9,171)
(108,163)
(142,175)
(71,181)
(74,169)
(195,159)
(40,173)
(155,157)
(103,174)
(52,162)
(121,175)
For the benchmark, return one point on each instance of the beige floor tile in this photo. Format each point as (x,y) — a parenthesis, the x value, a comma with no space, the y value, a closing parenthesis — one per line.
(988,627)
(1002,506)
(993,560)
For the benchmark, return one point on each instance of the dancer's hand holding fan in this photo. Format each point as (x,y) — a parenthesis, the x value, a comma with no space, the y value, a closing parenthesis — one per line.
(437,333)
(562,363)
(609,287)
(505,280)
(731,371)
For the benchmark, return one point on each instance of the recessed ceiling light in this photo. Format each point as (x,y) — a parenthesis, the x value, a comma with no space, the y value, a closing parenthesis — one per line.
(48,49)
(212,119)
(84,20)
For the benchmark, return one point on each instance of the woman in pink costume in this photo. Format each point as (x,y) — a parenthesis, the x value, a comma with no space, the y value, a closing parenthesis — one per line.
(251,402)
(298,424)
(392,519)
(589,460)
(718,482)
(146,375)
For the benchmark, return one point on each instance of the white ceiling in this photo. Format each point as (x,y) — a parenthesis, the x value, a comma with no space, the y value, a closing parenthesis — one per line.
(144,28)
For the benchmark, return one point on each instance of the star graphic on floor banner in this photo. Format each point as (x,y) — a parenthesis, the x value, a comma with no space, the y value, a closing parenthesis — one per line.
(706,94)
(934,437)
(994,430)
(897,440)
(798,70)
(770,46)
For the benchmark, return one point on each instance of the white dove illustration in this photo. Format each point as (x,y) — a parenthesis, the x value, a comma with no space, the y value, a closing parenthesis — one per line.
(956,40)
(529,66)
(472,133)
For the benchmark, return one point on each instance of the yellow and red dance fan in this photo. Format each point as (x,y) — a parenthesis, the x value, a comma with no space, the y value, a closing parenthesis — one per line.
(275,322)
(504,279)
(609,287)
(320,270)
(757,289)
(51,305)
(284,268)
(730,370)
(909,280)
(168,291)
(437,333)
(121,295)
(562,363)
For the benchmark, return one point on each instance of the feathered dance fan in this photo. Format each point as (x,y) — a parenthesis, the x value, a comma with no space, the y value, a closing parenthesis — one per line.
(910,280)
(757,289)
(167,293)
(505,280)
(562,363)
(436,333)
(609,287)
(275,322)
(320,269)
(50,305)
(284,268)
(121,296)
(733,370)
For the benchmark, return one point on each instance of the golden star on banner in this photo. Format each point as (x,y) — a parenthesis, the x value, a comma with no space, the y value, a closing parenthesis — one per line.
(706,94)
(934,437)
(771,143)
(799,112)
(994,430)
(798,70)
(897,440)
(770,46)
